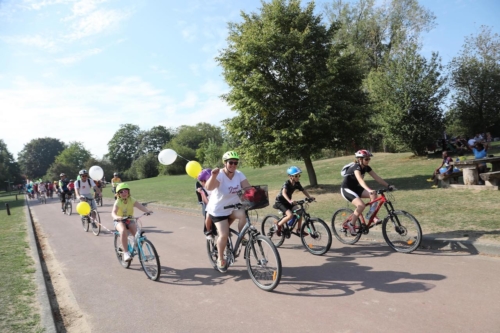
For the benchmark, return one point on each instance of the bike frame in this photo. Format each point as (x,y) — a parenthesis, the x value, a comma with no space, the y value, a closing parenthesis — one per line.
(140,239)
(381,200)
(305,216)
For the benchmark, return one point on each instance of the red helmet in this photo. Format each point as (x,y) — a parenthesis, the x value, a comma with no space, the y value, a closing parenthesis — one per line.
(363,153)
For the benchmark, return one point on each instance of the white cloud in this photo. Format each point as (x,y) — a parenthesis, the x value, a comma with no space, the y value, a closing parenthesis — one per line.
(33,40)
(39,4)
(95,23)
(69,60)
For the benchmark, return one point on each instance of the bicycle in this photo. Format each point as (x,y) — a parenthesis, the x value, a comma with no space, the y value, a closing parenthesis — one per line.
(314,233)
(87,220)
(400,229)
(43,197)
(68,206)
(98,199)
(139,245)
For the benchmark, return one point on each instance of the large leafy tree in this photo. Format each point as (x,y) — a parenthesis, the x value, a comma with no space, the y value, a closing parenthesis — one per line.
(154,140)
(475,78)
(9,169)
(295,91)
(70,161)
(408,94)
(123,146)
(38,154)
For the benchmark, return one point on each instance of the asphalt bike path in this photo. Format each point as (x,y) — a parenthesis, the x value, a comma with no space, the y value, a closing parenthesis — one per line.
(360,288)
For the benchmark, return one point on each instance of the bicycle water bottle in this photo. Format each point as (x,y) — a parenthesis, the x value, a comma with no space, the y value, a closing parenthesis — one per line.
(372,209)
(292,220)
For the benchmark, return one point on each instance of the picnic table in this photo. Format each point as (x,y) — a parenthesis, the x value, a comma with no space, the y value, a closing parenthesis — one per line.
(469,169)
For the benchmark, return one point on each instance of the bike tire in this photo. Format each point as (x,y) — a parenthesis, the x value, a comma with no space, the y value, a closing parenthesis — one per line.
(96,226)
(268,222)
(85,223)
(212,252)
(319,238)
(341,232)
(263,263)
(402,232)
(119,252)
(68,208)
(150,261)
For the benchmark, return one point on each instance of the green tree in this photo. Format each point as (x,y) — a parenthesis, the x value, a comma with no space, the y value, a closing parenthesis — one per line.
(104,163)
(9,169)
(123,146)
(153,140)
(179,166)
(37,156)
(475,78)
(70,161)
(145,166)
(407,95)
(294,89)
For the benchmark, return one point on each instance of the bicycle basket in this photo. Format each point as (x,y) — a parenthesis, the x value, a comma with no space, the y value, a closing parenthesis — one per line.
(254,197)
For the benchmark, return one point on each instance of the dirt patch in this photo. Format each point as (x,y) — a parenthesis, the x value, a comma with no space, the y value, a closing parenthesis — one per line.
(67,314)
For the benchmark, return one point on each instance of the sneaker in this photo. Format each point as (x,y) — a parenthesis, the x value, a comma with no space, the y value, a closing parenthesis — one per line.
(221,266)
(277,230)
(126,256)
(209,237)
(377,221)
(434,186)
(351,229)
(62,210)
(430,180)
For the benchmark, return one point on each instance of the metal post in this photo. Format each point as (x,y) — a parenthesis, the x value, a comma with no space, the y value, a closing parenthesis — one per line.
(8,208)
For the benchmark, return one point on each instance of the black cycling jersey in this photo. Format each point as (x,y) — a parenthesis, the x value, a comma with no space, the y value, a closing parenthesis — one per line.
(289,189)
(350,180)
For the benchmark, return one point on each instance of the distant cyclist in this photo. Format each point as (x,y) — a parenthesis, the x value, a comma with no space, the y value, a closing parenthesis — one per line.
(63,189)
(354,187)
(83,190)
(124,207)
(225,186)
(114,183)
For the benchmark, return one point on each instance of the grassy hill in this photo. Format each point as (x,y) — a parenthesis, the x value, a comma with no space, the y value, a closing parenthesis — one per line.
(465,213)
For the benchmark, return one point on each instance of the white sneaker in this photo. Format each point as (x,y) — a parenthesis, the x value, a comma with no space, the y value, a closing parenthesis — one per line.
(210,237)
(126,256)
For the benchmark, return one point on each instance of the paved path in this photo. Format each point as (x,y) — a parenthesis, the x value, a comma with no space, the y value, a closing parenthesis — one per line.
(360,288)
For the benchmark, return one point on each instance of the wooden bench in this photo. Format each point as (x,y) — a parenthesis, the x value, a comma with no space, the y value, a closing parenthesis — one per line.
(491,178)
(445,179)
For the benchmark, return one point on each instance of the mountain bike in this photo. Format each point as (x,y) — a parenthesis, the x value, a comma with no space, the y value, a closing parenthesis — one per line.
(68,206)
(262,258)
(400,229)
(139,245)
(88,220)
(314,233)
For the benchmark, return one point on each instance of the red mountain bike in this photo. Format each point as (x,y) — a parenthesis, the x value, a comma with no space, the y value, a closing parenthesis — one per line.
(400,229)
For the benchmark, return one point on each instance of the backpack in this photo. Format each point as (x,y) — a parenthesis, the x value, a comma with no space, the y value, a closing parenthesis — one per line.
(80,184)
(345,168)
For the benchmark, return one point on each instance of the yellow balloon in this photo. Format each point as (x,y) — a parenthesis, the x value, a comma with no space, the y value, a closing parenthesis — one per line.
(193,169)
(83,208)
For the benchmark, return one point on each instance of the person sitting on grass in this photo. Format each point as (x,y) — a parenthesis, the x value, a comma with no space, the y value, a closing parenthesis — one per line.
(446,167)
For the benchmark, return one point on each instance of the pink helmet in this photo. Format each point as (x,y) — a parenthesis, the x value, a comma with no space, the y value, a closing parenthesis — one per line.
(363,153)
(204,175)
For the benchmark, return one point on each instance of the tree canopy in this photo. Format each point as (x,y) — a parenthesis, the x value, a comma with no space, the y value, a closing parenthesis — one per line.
(37,156)
(294,90)
(123,146)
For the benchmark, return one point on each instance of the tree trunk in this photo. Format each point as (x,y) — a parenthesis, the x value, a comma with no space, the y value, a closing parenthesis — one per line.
(310,171)
(470,176)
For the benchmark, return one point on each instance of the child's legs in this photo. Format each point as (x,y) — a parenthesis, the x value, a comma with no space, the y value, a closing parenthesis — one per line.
(286,210)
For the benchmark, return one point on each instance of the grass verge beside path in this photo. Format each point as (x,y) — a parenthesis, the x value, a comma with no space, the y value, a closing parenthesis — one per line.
(470,214)
(18,309)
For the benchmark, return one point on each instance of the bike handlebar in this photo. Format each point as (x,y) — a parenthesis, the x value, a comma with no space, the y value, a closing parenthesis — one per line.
(303,201)
(235,206)
(131,217)
(388,189)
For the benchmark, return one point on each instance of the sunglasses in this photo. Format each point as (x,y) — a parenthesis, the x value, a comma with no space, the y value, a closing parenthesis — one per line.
(232,163)
(296,176)
(122,191)
(84,175)
(367,159)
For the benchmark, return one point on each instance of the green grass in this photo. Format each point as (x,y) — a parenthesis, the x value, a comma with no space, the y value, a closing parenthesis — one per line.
(18,311)
(464,213)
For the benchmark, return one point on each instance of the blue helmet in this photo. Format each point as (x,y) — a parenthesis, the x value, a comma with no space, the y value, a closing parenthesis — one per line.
(293,170)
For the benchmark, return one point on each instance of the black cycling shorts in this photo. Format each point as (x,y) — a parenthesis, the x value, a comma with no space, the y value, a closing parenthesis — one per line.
(350,194)
(282,206)
(216,219)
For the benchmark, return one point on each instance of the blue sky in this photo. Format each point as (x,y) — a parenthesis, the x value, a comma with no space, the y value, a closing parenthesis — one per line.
(77,69)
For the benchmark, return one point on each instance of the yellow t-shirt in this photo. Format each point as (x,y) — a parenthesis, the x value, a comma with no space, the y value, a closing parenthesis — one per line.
(125,209)
(115,181)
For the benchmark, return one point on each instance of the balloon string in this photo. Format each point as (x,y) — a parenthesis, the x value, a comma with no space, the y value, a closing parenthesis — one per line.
(183,158)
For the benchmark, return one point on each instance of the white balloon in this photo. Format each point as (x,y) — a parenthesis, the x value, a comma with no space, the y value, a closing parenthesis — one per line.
(96,172)
(167,156)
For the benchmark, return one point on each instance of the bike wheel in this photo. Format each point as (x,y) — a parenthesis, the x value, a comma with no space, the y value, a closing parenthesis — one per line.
(96,226)
(402,232)
(85,223)
(267,224)
(319,237)
(119,252)
(44,201)
(263,263)
(212,251)
(68,208)
(150,261)
(340,229)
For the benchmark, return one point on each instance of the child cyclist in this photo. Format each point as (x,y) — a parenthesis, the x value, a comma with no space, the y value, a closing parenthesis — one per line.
(203,195)
(354,187)
(284,200)
(124,207)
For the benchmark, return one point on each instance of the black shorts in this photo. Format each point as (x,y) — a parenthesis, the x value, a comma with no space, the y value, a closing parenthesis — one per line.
(219,218)
(63,196)
(282,206)
(351,194)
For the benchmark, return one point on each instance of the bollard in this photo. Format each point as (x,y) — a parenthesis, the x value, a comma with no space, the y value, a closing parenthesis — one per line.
(8,209)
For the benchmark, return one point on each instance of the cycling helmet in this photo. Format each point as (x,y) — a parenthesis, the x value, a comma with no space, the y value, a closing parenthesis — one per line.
(204,175)
(230,155)
(122,186)
(293,170)
(363,153)
(83,172)
(62,174)
(115,174)
(71,180)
